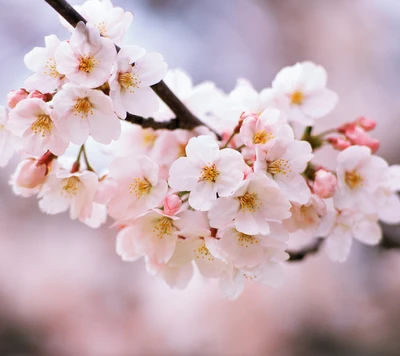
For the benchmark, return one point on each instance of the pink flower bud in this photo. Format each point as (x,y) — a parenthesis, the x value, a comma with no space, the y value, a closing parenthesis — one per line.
(366,124)
(172,204)
(373,145)
(36,94)
(324,183)
(358,136)
(31,175)
(15,96)
(339,143)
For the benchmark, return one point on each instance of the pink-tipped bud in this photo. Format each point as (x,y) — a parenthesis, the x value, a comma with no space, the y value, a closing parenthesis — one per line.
(324,184)
(15,96)
(36,94)
(172,203)
(366,124)
(373,145)
(31,175)
(339,143)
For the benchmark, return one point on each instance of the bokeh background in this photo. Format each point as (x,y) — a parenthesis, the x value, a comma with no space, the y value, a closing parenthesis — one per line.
(64,291)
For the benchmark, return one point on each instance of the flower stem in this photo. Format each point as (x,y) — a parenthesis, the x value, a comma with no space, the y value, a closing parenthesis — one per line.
(229,139)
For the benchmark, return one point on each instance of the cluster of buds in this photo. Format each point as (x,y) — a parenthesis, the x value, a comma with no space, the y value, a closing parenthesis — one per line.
(187,199)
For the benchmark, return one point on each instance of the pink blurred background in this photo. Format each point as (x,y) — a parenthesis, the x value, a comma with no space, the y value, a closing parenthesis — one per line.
(64,291)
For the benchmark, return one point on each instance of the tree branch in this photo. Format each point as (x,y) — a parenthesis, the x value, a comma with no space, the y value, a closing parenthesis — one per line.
(301,254)
(184,118)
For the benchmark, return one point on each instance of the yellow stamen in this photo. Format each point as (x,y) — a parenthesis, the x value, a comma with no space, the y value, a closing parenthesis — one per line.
(139,187)
(297,98)
(246,240)
(71,186)
(203,253)
(249,202)
(209,173)
(262,137)
(129,81)
(42,125)
(280,166)
(163,227)
(87,63)
(83,107)
(353,179)
(51,69)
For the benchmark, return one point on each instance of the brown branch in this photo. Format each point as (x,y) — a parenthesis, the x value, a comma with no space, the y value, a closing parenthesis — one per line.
(301,254)
(184,118)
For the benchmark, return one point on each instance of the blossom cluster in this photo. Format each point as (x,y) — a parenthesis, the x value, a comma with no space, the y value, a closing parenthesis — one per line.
(225,199)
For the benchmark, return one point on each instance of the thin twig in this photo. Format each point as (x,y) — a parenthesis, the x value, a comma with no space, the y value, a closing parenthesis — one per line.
(184,118)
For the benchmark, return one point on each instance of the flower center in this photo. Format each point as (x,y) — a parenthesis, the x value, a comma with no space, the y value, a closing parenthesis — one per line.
(353,179)
(280,166)
(140,186)
(51,69)
(101,26)
(249,202)
(203,253)
(209,173)
(163,227)
(83,107)
(42,125)
(149,137)
(262,137)
(297,98)
(129,81)
(71,185)
(87,63)
(246,240)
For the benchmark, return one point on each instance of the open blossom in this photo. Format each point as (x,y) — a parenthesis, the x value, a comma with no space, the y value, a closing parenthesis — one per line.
(42,61)
(139,187)
(256,203)
(262,131)
(284,162)
(304,86)
(7,140)
(87,59)
(81,112)
(112,22)
(130,84)
(74,191)
(33,120)
(249,250)
(206,172)
(359,176)
(347,225)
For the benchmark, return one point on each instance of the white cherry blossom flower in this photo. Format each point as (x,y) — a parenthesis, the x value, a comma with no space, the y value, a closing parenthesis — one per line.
(389,209)
(130,84)
(81,112)
(359,177)
(304,86)
(87,59)
(34,121)
(139,187)
(257,202)
(112,22)
(347,225)
(41,60)
(284,162)
(74,191)
(206,172)
(262,131)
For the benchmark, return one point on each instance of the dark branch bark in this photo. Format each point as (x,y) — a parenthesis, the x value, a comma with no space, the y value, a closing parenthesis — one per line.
(184,118)
(301,254)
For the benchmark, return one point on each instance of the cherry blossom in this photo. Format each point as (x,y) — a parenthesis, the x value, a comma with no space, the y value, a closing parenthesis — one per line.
(139,187)
(206,172)
(324,183)
(258,201)
(42,61)
(33,120)
(81,112)
(130,84)
(112,22)
(284,162)
(304,86)
(87,59)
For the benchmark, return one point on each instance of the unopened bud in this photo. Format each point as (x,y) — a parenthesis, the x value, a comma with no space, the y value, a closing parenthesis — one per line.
(172,203)
(31,175)
(339,143)
(15,96)
(324,184)
(38,95)
(366,124)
